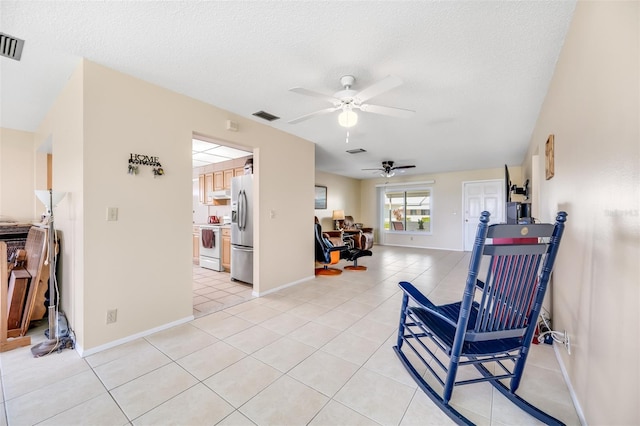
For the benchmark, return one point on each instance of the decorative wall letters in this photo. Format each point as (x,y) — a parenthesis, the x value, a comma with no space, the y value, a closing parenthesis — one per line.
(136,160)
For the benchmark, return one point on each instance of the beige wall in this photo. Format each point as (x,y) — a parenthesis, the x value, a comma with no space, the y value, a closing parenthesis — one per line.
(141,264)
(447,213)
(592,109)
(343,193)
(21,170)
(63,128)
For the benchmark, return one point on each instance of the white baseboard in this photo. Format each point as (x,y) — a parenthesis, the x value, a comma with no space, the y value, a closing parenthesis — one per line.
(291,284)
(131,338)
(567,380)
(421,247)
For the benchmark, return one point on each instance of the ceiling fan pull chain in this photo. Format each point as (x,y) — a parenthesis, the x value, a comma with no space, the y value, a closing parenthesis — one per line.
(347,141)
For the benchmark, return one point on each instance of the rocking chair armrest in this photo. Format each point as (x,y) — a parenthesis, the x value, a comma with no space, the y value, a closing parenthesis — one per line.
(418,297)
(424,302)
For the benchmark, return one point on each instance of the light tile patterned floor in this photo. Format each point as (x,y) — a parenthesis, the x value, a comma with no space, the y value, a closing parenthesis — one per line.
(319,353)
(214,291)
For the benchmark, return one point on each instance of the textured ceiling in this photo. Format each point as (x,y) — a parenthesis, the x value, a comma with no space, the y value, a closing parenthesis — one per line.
(475,72)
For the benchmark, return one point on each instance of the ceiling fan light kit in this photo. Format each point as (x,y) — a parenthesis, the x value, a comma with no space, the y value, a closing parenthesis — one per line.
(346,100)
(347,118)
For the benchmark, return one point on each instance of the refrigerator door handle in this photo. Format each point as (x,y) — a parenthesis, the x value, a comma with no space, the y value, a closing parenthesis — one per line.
(249,250)
(240,210)
(241,223)
(245,203)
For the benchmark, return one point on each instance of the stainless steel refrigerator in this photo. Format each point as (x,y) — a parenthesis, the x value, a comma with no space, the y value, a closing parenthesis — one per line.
(242,228)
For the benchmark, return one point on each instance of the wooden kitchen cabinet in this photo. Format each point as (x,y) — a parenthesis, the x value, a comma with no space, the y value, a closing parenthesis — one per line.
(226,248)
(201,192)
(208,187)
(228,174)
(238,171)
(196,245)
(218,181)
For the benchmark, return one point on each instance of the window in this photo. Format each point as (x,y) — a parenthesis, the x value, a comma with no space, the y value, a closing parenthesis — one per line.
(407,210)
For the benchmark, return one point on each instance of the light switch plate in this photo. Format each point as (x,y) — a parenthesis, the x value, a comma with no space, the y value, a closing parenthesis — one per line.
(112,214)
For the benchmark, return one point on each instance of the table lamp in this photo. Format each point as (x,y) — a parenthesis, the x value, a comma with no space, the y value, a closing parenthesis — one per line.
(338,215)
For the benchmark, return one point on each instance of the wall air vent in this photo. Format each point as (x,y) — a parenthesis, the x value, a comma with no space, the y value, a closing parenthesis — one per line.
(266,116)
(356,151)
(10,47)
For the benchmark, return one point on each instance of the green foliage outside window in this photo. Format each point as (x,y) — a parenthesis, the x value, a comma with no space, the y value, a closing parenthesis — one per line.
(408,210)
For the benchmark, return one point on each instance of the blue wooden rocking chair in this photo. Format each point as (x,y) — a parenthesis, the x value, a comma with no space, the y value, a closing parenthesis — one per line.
(495,321)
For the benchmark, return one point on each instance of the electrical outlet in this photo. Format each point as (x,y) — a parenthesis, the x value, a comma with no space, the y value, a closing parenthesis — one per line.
(567,342)
(112,316)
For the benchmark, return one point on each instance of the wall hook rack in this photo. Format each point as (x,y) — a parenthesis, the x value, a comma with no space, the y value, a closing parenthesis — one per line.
(136,160)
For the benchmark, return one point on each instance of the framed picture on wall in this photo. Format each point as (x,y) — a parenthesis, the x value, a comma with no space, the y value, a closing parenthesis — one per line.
(548,158)
(321,197)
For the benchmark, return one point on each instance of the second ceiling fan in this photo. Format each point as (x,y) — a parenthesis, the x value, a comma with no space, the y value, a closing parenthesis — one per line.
(388,168)
(347,100)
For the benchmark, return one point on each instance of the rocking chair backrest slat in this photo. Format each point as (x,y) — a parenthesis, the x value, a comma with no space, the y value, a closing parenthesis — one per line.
(507,294)
(516,279)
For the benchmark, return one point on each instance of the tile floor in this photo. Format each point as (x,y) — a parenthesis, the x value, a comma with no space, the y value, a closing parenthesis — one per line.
(319,353)
(214,291)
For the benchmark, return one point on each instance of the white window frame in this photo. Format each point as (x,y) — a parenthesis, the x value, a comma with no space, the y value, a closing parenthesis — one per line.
(404,187)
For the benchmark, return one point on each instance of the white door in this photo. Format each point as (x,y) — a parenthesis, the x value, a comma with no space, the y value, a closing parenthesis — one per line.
(480,196)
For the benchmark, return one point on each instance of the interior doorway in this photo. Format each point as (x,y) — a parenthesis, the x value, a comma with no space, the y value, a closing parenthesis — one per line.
(480,196)
(215,165)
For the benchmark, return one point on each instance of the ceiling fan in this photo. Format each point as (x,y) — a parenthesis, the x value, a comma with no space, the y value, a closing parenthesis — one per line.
(388,169)
(347,100)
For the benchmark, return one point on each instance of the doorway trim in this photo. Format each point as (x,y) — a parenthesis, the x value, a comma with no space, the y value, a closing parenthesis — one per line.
(496,216)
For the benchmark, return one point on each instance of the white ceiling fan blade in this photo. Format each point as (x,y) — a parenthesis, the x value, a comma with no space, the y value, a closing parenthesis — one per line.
(313,114)
(387,83)
(385,110)
(307,92)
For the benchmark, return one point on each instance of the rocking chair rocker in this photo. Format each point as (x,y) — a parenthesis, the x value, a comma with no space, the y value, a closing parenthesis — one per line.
(494,326)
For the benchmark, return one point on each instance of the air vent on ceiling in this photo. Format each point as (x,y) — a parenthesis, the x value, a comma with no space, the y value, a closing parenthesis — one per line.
(356,151)
(10,47)
(266,116)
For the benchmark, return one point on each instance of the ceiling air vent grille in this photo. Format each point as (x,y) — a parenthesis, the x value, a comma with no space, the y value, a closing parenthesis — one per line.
(266,116)
(10,47)
(356,151)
